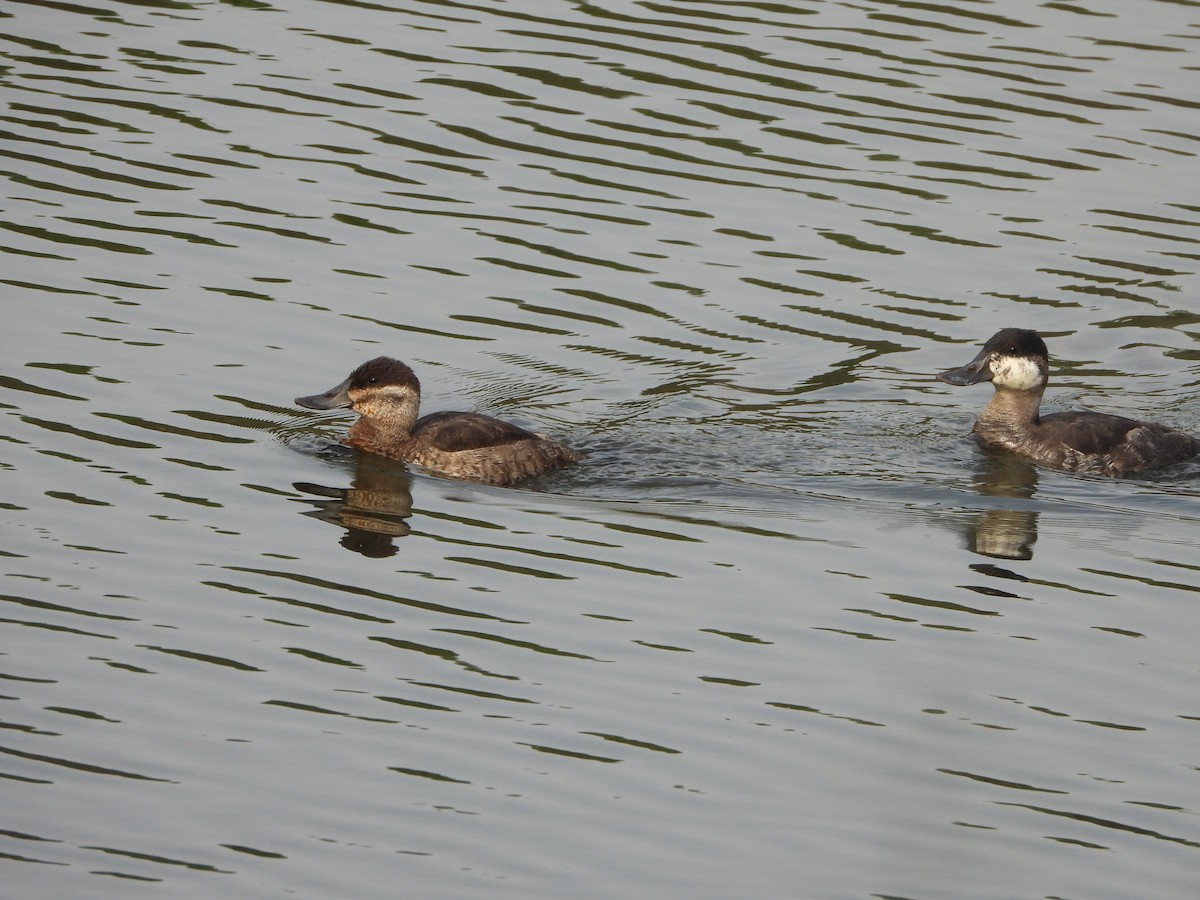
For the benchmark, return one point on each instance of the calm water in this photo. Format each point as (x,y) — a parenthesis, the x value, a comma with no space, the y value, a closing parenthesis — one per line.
(787,632)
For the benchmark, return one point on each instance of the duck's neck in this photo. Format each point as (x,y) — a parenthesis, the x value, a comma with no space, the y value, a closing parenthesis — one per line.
(1008,413)
(385,423)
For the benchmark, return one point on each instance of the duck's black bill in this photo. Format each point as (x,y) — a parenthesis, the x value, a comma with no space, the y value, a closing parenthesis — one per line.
(334,398)
(975,371)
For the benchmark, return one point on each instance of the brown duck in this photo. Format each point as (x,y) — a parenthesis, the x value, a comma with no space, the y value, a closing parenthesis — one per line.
(387,396)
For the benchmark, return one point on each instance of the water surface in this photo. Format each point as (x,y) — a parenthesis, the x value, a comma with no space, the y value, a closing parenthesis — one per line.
(786,632)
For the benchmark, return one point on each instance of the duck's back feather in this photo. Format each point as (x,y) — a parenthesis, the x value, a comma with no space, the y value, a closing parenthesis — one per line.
(1087,432)
(451,432)
(1115,444)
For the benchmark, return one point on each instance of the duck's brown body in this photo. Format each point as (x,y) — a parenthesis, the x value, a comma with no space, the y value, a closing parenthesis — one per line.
(1087,442)
(387,396)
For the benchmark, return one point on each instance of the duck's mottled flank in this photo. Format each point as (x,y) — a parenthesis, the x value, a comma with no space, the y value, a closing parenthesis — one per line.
(387,396)
(1017,363)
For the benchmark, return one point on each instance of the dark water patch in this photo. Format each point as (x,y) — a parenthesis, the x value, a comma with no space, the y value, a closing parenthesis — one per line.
(208,658)
(367,593)
(78,766)
(16,384)
(322,711)
(522,645)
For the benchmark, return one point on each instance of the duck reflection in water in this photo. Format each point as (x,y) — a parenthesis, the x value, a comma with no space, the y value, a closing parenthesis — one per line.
(1007,530)
(386,395)
(374,510)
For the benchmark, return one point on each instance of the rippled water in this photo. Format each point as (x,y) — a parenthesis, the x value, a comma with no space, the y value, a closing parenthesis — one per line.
(786,632)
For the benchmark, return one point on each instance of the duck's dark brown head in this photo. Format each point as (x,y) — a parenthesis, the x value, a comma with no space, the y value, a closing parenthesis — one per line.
(372,387)
(1013,358)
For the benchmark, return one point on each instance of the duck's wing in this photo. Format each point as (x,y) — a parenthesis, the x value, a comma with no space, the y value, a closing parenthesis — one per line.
(455,431)
(1129,445)
(1151,446)
(1089,432)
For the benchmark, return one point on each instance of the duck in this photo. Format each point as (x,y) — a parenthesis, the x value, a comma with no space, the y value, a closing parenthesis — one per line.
(1017,363)
(386,394)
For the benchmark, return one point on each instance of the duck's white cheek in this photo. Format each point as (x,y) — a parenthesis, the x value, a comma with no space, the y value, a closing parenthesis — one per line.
(1017,374)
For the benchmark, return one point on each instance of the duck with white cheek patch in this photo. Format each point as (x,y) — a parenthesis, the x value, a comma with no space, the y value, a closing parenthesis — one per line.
(1017,364)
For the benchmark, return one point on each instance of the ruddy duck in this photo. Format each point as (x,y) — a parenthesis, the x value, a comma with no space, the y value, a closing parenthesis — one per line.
(386,395)
(1016,362)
